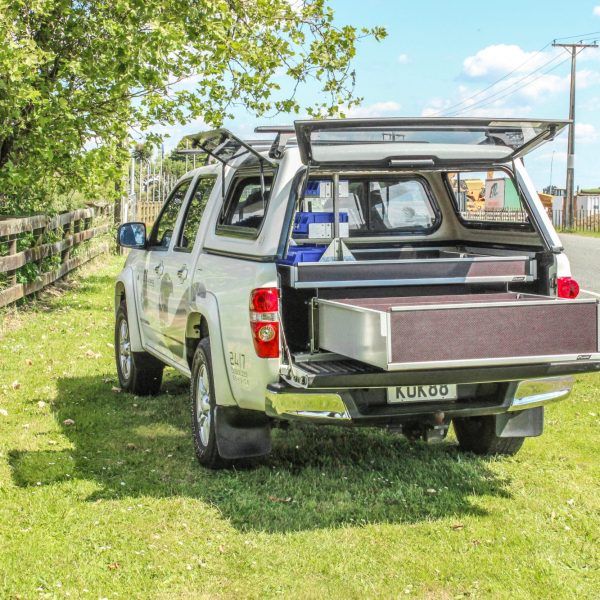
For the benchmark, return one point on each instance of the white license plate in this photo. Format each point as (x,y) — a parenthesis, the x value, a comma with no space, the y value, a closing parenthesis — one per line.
(421,393)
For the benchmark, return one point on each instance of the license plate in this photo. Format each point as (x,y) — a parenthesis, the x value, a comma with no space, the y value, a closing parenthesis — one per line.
(421,393)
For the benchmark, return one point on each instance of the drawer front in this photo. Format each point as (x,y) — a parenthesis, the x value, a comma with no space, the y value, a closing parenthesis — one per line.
(493,332)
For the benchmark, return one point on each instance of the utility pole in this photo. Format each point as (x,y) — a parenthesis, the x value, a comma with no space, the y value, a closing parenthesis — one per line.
(569,201)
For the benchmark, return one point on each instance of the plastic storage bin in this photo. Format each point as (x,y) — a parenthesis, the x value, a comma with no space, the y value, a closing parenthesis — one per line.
(304,219)
(302,254)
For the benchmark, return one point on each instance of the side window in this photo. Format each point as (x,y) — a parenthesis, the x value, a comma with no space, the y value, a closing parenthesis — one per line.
(193,215)
(488,198)
(162,232)
(247,206)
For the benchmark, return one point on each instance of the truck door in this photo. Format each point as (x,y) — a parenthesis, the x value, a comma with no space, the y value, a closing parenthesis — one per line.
(157,284)
(177,276)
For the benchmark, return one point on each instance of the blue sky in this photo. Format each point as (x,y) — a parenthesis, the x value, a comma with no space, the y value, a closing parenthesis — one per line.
(438,56)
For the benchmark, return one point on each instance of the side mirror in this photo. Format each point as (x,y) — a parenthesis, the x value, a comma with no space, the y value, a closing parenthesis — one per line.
(132,235)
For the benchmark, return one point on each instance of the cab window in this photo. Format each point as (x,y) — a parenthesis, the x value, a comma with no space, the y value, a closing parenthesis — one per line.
(162,232)
(193,215)
(245,211)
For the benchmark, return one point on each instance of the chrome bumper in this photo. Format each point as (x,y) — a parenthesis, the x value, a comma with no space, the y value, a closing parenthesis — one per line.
(538,392)
(324,407)
(327,407)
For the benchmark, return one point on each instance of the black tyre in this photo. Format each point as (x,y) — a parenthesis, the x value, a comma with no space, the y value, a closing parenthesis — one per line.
(203,404)
(139,372)
(478,435)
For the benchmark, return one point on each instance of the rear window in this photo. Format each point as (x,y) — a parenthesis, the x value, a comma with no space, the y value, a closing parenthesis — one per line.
(369,206)
(490,198)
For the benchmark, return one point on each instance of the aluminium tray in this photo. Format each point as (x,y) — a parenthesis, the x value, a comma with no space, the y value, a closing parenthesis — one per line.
(461,330)
(450,269)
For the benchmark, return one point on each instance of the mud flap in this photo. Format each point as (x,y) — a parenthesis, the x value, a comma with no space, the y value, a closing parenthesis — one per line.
(242,433)
(525,423)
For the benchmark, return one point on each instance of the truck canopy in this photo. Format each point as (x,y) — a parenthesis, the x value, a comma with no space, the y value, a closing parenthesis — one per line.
(419,143)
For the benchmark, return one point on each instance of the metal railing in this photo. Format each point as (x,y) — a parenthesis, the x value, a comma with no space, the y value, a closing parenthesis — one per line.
(583,220)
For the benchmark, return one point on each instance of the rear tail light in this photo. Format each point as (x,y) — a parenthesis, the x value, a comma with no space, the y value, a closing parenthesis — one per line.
(567,288)
(264,321)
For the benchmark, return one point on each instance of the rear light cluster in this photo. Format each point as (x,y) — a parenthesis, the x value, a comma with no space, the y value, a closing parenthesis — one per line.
(264,321)
(567,288)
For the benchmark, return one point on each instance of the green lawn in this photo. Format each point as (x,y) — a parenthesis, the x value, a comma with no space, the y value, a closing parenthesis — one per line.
(115,506)
(583,232)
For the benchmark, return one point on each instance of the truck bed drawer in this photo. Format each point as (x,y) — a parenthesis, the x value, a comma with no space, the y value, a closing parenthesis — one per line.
(465,330)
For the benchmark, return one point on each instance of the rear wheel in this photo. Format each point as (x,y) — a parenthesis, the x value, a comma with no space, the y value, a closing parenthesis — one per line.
(478,435)
(139,372)
(203,405)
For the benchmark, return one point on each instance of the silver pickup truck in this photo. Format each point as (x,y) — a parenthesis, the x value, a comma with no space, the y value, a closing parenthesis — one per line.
(397,273)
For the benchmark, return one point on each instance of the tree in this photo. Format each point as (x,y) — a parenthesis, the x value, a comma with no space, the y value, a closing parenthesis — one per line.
(76,75)
(142,152)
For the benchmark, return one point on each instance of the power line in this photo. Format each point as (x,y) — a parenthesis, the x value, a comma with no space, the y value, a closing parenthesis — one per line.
(450,111)
(466,100)
(580,36)
(515,84)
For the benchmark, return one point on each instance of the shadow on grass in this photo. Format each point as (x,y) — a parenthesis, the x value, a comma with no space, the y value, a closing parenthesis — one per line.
(315,477)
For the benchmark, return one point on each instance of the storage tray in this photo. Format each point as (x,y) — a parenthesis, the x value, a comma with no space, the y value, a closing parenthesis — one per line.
(462,330)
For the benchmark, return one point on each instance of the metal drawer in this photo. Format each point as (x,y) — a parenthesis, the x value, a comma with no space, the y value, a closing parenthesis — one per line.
(459,331)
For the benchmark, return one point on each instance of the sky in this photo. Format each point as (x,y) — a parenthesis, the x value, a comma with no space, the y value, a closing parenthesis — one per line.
(442,59)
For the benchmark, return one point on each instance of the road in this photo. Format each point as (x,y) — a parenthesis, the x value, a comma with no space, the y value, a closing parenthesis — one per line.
(584,256)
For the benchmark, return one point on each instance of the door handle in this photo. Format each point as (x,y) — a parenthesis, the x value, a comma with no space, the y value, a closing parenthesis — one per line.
(182,273)
(159,268)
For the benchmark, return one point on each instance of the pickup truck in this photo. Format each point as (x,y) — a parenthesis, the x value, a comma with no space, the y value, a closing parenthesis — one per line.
(396,273)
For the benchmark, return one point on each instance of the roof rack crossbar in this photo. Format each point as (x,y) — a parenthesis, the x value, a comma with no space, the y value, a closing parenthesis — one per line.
(284,133)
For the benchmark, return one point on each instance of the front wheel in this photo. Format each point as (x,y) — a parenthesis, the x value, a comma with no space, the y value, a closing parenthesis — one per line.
(139,372)
(203,404)
(478,435)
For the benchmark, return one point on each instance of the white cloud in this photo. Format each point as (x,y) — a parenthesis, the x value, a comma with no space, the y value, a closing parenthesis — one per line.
(587,78)
(585,132)
(403,59)
(517,94)
(435,106)
(596,11)
(542,86)
(499,59)
(466,106)
(378,109)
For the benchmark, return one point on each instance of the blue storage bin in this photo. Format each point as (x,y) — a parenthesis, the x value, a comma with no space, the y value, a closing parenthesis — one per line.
(303,219)
(302,254)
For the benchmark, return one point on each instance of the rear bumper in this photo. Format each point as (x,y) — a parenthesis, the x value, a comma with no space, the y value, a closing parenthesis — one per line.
(357,406)
(539,392)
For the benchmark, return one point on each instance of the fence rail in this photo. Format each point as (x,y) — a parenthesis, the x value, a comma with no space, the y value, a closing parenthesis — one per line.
(36,251)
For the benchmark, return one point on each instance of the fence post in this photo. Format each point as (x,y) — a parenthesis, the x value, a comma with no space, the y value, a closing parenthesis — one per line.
(12,249)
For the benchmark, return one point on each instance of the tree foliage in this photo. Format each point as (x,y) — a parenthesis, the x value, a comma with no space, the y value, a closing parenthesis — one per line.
(77,75)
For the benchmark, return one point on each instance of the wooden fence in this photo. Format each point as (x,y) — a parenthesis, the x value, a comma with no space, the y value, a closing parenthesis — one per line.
(42,239)
(147,212)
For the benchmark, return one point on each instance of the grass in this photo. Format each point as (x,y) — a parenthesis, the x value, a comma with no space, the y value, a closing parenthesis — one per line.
(584,232)
(115,506)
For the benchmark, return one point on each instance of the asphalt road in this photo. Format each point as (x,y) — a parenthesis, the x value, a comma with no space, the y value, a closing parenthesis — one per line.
(584,256)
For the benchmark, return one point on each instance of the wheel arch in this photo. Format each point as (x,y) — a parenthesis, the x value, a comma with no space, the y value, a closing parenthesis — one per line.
(203,322)
(125,290)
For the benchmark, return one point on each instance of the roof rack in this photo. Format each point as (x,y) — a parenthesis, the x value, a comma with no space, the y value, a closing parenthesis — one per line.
(284,133)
